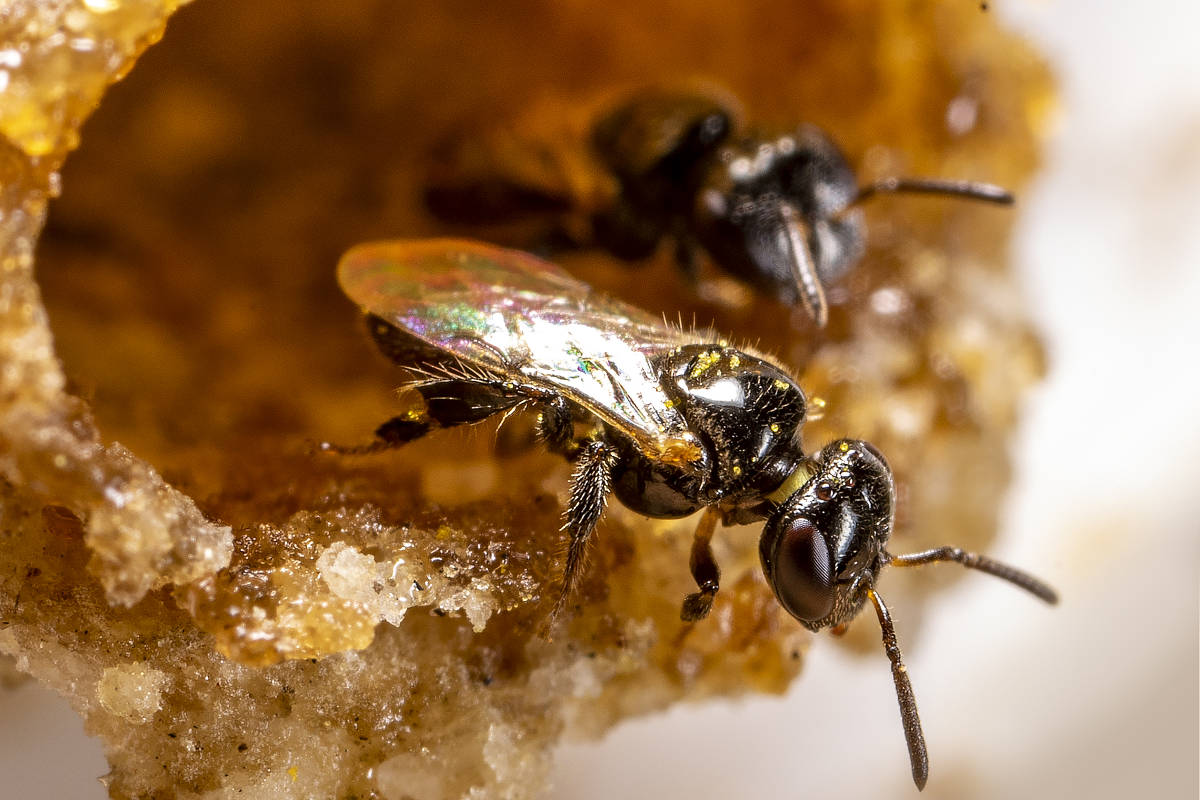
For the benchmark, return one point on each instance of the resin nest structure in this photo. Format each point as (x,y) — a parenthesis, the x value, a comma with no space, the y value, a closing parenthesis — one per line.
(233,612)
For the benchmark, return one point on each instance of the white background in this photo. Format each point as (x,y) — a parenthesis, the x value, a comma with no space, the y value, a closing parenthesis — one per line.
(1097,698)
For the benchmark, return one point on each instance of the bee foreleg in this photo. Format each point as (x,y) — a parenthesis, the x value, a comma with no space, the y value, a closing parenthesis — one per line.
(704,569)
(590,486)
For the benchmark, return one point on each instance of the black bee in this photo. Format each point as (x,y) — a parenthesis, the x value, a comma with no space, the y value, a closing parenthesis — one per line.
(779,213)
(670,422)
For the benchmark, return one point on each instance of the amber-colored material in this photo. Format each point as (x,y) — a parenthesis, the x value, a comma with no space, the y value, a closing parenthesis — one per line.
(231,611)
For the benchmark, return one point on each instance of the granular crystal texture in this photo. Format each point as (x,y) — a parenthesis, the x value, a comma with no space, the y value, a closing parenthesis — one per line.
(237,614)
(58,57)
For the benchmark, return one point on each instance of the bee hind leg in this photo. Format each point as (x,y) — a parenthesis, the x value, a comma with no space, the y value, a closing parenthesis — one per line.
(590,487)
(437,404)
(397,431)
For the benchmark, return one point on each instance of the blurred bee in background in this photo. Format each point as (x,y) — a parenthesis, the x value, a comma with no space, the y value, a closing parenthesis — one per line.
(670,421)
(780,214)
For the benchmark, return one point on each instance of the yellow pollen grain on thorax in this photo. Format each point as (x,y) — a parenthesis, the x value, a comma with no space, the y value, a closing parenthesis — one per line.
(734,362)
(705,362)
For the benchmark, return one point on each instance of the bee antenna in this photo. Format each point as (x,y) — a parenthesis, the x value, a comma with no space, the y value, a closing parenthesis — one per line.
(971,190)
(1003,571)
(914,737)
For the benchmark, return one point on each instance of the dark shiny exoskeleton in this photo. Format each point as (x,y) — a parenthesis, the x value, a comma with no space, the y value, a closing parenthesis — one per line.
(746,414)
(671,422)
(778,213)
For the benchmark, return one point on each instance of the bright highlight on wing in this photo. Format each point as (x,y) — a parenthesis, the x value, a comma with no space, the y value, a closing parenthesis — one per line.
(513,314)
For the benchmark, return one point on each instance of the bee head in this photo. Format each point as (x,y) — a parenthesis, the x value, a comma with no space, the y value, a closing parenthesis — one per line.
(822,549)
(777,215)
(821,544)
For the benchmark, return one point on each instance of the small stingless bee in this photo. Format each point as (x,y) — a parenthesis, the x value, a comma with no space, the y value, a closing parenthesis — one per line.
(671,422)
(780,213)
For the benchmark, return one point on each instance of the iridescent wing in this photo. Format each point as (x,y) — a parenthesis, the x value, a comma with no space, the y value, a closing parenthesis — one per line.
(515,315)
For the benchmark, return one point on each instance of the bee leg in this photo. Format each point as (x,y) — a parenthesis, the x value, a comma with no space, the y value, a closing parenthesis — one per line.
(590,486)
(685,257)
(625,233)
(704,569)
(402,430)
(397,431)
(556,427)
(437,404)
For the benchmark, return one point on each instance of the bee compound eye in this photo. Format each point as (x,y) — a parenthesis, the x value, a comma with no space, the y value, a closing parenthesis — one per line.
(803,574)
